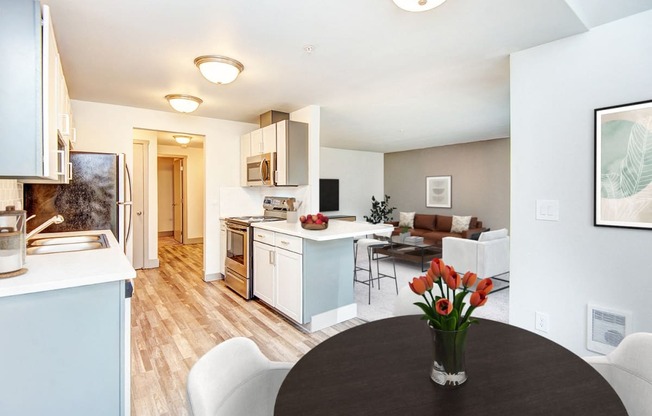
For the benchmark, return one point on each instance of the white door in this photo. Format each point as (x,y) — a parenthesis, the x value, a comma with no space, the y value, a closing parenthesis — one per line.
(138,216)
(177,201)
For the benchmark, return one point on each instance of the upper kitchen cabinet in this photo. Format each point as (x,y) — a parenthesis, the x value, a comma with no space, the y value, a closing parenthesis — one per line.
(32,150)
(245,152)
(263,140)
(291,153)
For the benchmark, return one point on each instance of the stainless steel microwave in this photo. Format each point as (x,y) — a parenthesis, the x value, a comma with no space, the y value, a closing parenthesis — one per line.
(261,169)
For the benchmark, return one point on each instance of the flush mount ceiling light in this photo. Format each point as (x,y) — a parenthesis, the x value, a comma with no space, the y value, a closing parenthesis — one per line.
(182,140)
(418,5)
(219,69)
(183,103)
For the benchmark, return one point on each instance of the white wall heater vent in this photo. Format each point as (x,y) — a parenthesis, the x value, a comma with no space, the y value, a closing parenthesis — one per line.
(606,328)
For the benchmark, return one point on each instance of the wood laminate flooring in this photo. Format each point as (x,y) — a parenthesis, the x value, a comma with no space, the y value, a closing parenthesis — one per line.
(177,317)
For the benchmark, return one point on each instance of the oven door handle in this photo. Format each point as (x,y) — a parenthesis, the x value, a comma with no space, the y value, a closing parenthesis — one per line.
(237,230)
(264,171)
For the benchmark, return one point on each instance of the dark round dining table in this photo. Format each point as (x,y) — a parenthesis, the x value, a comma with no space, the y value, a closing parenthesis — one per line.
(383,368)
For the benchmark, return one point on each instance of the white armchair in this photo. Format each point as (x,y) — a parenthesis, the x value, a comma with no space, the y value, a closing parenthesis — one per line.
(628,369)
(487,257)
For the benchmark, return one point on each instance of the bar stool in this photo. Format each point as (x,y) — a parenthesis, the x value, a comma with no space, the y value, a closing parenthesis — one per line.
(371,245)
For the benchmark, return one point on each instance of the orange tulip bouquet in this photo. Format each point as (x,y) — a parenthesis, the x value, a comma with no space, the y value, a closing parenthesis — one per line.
(446,310)
(447,318)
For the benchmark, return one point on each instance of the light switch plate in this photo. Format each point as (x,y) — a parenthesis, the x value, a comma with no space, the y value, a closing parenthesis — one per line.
(547,210)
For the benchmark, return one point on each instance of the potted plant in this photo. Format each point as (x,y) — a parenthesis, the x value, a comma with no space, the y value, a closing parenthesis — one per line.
(380,211)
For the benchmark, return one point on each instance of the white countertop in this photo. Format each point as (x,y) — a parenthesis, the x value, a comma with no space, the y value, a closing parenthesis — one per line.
(336,229)
(65,270)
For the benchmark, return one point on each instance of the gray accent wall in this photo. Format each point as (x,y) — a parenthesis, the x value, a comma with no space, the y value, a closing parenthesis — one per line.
(480,174)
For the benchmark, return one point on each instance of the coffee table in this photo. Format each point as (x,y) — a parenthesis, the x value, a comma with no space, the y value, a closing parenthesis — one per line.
(421,253)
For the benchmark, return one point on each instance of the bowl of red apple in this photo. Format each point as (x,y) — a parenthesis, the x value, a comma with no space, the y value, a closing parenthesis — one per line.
(314,221)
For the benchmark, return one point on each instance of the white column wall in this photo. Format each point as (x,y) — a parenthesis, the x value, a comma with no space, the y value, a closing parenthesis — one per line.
(361,175)
(559,267)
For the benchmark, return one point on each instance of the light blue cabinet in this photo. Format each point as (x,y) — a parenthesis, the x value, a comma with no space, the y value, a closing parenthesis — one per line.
(20,88)
(63,352)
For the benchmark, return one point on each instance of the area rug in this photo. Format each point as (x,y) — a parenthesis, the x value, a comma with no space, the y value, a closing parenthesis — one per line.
(383,297)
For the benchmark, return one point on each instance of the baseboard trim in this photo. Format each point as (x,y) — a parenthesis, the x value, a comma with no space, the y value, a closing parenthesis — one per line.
(151,264)
(165,234)
(213,276)
(332,317)
(197,240)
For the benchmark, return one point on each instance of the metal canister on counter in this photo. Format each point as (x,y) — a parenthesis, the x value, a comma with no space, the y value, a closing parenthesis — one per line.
(12,240)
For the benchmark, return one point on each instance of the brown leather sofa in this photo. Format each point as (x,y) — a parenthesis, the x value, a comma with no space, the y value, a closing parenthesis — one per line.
(433,228)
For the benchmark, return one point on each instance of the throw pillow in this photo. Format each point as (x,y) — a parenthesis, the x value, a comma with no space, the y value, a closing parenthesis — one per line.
(406,219)
(460,224)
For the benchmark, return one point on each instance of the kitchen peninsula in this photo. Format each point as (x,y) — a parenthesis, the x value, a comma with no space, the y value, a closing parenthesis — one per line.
(65,327)
(307,275)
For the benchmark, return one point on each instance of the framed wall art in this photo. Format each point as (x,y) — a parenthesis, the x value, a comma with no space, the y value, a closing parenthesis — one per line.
(438,192)
(623,166)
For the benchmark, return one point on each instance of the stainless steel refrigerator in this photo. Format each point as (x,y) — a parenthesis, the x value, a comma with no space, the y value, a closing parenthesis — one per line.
(98,197)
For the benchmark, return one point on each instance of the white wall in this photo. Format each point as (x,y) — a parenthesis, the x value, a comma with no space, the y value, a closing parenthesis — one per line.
(109,128)
(559,267)
(195,193)
(360,174)
(11,193)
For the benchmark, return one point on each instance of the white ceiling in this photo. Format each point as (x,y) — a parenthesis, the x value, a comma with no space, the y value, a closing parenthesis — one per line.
(386,80)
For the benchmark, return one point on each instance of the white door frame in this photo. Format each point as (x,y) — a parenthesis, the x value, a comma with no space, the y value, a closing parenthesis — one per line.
(141,221)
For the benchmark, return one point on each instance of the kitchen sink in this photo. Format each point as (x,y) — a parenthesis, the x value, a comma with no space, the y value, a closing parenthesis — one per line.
(66,244)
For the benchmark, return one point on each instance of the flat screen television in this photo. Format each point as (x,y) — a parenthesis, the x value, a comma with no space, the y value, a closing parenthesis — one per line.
(329,195)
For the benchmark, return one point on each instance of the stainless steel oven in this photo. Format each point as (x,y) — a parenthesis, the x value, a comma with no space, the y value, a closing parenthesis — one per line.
(237,261)
(261,169)
(238,270)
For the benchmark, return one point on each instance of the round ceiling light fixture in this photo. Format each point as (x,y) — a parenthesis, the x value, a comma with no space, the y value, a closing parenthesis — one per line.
(183,103)
(219,69)
(182,140)
(418,5)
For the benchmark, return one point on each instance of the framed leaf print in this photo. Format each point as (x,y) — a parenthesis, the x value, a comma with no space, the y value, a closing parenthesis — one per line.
(623,166)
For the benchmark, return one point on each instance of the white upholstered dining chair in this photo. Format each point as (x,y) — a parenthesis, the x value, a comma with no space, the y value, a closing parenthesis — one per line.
(628,369)
(235,378)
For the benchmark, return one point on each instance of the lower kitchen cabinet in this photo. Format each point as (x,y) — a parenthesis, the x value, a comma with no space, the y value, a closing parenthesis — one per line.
(264,280)
(278,274)
(289,283)
(66,351)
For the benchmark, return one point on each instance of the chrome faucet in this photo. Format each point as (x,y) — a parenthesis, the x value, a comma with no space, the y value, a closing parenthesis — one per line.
(57,219)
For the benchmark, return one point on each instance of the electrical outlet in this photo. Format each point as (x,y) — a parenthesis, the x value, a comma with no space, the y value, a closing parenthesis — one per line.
(542,321)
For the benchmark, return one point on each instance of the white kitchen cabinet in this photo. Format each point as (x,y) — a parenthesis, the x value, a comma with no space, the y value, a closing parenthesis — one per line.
(264,279)
(278,273)
(245,152)
(263,140)
(289,283)
(222,247)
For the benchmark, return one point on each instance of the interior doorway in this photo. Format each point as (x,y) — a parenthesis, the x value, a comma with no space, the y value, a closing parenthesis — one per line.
(189,228)
(172,197)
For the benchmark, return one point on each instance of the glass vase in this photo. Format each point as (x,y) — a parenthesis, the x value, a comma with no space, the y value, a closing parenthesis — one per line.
(449,352)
